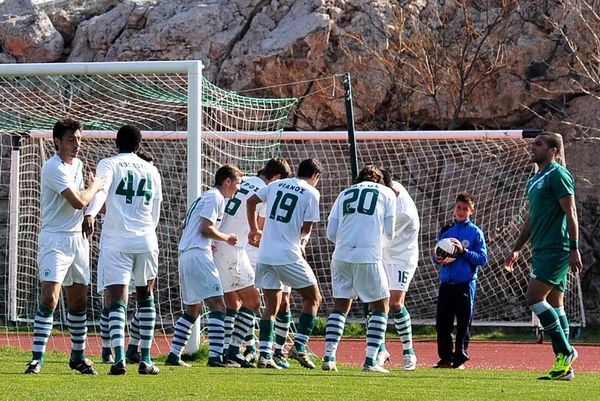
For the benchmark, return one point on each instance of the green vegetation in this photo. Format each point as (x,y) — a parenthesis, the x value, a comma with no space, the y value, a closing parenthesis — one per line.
(58,382)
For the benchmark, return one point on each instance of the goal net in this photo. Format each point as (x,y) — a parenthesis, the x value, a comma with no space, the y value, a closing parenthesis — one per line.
(166,101)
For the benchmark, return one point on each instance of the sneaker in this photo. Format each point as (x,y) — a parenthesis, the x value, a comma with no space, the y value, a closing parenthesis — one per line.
(375,369)
(329,366)
(218,362)
(133,357)
(174,360)
(409,362)
(33,367)
(264,363)
(302,357)
(118,369)
(383,357)
(570,375)
(239,360)
(442,365)
(85,367)
(280,360)
(148,369)
(561,367)
(251,356)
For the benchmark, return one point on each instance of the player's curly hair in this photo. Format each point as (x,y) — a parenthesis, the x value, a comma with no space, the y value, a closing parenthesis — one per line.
(129,138)
(274,166)
(65,126)
(370,173)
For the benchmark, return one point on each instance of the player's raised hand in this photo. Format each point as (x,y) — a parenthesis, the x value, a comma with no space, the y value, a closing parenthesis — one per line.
(509,261)
(232,239)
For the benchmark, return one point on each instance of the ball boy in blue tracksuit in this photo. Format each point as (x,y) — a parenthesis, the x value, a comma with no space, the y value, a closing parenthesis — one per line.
(458,279)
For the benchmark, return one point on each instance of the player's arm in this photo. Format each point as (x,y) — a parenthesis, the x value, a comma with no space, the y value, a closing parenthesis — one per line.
(476,255)
(567,204)
(252,217)
(80,199)
(389,222)
(209,230)
(333,221)
(524,234)
(156,200)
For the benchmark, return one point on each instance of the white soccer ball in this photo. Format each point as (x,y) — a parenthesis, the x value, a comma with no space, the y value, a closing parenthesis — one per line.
(445,249)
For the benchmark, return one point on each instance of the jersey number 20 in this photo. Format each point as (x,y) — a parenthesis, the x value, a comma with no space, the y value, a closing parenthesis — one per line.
(366,204)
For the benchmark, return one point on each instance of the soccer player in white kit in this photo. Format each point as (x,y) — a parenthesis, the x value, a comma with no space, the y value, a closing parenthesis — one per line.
(63,252)
(361,217)
(128,242)
(400,259)
(292,207)
(198,276)
(234,264)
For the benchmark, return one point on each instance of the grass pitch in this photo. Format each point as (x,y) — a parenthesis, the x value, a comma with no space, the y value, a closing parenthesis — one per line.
(58,382)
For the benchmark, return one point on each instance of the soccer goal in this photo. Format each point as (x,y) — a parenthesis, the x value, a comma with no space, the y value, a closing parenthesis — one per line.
(189,126)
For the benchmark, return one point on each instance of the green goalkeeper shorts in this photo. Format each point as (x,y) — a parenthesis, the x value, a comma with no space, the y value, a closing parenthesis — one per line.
(551,267)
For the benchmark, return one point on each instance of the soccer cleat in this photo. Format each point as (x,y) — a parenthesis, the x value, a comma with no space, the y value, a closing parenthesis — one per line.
(133,357)
(329,366)
(34,367)
(302,357)
(118,369)
(442,365)
(280,360)
(562,367)
(264,363)
(570,375)
(148,369)
(409,362)
(375,369)
(218,362)
(107,358)
(239,360)
(85,367)
(251,356)
(383,357)
(174,360)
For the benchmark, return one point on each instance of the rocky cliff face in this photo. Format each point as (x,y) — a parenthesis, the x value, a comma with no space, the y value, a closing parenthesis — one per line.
(415,63)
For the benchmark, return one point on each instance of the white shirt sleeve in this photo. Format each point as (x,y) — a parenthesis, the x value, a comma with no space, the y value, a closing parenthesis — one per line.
(210,209)
(333,221)
(312,211)
(157,199)
(59,180)
(263,192)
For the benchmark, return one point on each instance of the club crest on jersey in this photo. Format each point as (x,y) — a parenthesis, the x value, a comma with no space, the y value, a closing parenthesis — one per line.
(46,273)
(465,243)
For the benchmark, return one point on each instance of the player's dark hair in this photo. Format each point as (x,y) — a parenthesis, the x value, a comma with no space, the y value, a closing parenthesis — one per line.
(129,138)
(467,198)
(65,126)
(145,156)
(309,167)
(274,166)
(371,173)
(227,171)
(388,179)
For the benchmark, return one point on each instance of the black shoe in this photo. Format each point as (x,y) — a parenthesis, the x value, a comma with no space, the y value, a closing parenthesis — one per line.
(240,360)
(117,369)
(174,360)
(251,356)
(85,367)
(34,367)
(107,358)
(443,365)
(148,369)
(218,362)
(132,358)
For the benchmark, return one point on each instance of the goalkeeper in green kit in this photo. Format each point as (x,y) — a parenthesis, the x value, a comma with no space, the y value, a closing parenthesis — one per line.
(552,228)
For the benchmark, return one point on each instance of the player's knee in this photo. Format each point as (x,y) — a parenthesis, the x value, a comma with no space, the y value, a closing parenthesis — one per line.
(252,304)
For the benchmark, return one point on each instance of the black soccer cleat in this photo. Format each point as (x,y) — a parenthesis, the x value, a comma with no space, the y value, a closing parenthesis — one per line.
(218,362)
(34,367)
(85,367)
(148,369)
(239,360)
(118,369)
(133,357)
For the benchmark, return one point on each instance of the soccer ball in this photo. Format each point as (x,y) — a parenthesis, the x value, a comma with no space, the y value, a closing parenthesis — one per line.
(445,249)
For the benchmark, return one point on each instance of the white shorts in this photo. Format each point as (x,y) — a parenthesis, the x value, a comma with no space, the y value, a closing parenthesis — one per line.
(252,253)
(119,268)
(64,258)
(366,281)
(399,275)
(277,277)
(198,276)
(234,267)
(100,287)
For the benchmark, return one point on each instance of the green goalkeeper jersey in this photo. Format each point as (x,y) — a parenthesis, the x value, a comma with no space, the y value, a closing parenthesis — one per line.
(548,220)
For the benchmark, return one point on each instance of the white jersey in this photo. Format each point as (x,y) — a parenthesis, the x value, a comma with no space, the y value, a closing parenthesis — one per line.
(288,204)
(235,219)
(360,212)
(134,193)
(404,248)
(57,213)
(209,206)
